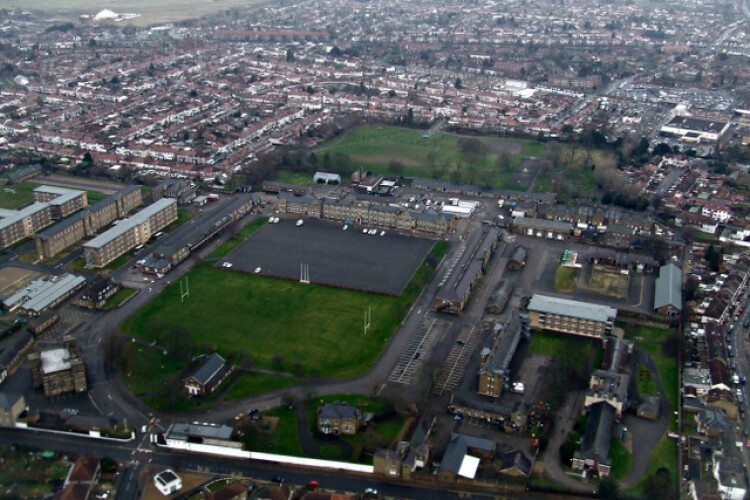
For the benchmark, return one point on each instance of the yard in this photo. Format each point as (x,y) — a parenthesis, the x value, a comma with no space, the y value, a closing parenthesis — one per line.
(608,281)
(662,346)
(289,177)
(26,474)
(555,345)
(664,459)
(622,460)
(565,278)
(382,431)
(283,325)
(279,437)
(438,155)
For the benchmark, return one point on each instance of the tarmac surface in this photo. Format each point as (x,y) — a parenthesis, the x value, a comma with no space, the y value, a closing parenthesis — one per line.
(333,256)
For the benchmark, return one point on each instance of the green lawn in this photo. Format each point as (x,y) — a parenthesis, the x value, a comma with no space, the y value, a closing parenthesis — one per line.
(560,345)
(317,327)
(622,460)
(252,383)
(121,296)
(17,195)
(284,440)
(289,177)
(437,155)
(79,265)
(645,381)
(384,427)
(330,452)
(653,341)
(94,196)
(235,240)
(150,369)
(565,279)
(664,456)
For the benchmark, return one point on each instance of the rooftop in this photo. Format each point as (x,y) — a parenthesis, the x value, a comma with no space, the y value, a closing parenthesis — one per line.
(566,307)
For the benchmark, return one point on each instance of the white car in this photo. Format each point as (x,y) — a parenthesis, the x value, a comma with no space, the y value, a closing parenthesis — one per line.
(365,231)
(345,227)
(382,233)
(257,270)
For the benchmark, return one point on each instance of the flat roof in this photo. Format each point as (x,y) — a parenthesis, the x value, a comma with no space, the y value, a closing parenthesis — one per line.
(129,224)
(573,308)
(40,294)
(183,431)
(55,360)
(64,195)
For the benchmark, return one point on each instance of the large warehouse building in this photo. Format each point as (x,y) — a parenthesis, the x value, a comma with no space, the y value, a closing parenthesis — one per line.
(130,233)
(571,316)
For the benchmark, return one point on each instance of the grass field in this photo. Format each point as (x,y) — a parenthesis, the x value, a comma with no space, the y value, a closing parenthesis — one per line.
(653,340)
(284,439)
(664,456)
(252,383)
(22,194)
(606,281)
(312,329)
(622,460)
(121,296)
(289,177)
(554,345)
(438,155)
(565,279)
(150,369)
(160,11)
(645,381)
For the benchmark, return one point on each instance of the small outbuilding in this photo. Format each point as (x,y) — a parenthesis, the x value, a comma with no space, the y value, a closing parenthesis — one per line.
(326,178)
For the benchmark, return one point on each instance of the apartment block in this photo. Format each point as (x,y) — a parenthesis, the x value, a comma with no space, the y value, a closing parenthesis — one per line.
(570,316)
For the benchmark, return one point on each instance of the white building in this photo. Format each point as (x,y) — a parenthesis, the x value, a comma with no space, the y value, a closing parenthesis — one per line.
(167,482)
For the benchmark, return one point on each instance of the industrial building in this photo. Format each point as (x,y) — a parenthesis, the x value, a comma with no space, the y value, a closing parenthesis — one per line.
(130,233)
(41,295)
(668,291)
(571,316)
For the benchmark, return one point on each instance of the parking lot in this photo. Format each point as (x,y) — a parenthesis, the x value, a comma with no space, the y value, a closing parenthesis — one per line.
(458,359)
(324,253)
(418,349)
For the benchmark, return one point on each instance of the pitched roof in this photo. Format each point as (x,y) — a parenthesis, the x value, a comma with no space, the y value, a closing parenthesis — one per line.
(598,434)
(668,287)
(574,308)
(208,369)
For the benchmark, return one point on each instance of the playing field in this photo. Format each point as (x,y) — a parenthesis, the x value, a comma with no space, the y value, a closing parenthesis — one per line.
(435,155)
(311,329)
(333,256)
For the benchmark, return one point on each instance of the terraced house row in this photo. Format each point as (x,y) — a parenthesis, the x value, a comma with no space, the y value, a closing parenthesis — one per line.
(87,223)
(368,213)
(51,204)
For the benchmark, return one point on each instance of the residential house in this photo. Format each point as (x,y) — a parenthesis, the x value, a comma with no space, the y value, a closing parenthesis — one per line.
(11,407)
(339,418)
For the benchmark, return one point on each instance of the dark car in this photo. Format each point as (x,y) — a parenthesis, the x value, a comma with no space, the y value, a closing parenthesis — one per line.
(277,479)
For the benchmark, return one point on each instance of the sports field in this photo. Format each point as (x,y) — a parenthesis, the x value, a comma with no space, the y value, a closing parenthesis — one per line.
(436,155)
(284,325)
(333,256)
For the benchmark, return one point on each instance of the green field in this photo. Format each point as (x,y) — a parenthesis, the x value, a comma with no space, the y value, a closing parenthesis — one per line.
(18,195)
(437,156)
(252,383)
(289,177)
(622,460)
(235,240)
(121,296)
(653,340)
(554,345)
(283,325)
(283,440)
(645,381)
(565,279)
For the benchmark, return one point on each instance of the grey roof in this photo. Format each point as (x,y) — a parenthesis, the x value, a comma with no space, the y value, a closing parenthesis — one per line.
(337,410)
(208,369)
(696,124)
(66,222)
(519,254)
(41,294)
(64,195)
(458,448)
(504,347)
(198,229)
(573,308)
(542,224)
(11,217)
(183,431)
(517,459)
(25,171)
(598,434)
(438,185)
(305,199)
(326,176)
(111,198)
(8,399)
(668,287)
(129,224)
(616,352)
(714,418)
(462,276)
